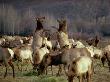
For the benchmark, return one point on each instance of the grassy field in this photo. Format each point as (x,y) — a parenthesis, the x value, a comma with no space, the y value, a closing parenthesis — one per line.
(101,74)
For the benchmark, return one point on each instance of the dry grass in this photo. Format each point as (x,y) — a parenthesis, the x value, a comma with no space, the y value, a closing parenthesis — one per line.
(102,75)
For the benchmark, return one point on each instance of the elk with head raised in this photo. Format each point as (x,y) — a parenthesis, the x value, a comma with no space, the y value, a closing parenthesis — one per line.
(63,34)
(38,34)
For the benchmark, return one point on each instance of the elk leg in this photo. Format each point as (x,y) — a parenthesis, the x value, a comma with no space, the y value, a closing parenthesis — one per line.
(46,71)
(103,61)
(65,68)
(59,71)
(70,79)
(80,78)
(5,71)
(26,67)
(28,62)
(11,64)
(18,65)
(88,77)
(51,70)
(21,66)
(109,65)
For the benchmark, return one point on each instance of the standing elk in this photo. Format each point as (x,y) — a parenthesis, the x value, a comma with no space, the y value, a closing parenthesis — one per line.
(80,67)
(38,34)
(38,55)
(62,35)
(6,56)
(65,56)
(23,53)
(106,56)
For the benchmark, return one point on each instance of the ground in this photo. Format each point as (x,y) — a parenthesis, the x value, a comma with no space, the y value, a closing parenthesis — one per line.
(101,74)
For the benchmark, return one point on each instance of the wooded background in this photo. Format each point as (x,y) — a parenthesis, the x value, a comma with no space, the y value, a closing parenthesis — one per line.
(17,17)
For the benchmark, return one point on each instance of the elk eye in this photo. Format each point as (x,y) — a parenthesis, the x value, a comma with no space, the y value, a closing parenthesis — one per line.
(72,69)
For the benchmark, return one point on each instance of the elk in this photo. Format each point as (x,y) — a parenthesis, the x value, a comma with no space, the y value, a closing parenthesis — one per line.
(62,33)
(50,59)
(6,56)
(2,41)
(93,41)
(22,53)
(96,41)
(38,34)
(106,56)
(80,67)
(65,56)
(38,55)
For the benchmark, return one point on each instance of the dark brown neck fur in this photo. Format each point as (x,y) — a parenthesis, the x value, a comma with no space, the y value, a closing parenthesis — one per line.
(39,26)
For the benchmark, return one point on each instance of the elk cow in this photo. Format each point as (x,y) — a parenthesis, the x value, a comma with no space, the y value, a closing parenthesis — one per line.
(65,56)
(38,55)
(23,53)
(38,34)
(80,67)
(6,56)
(62,34)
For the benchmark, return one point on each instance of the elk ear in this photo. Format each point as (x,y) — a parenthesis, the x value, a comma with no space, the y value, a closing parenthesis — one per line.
(36,18)
(58,20)
(43,17)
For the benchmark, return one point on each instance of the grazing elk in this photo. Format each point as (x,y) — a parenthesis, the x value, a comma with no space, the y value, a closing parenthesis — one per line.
(23,53)
(50,59)
(38,55)
(80,67)
(6,56)
(65,56)
(95,52)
